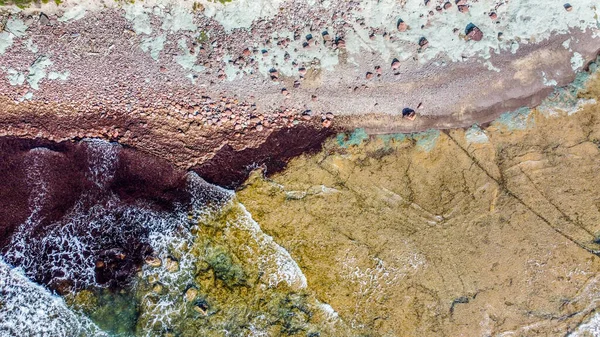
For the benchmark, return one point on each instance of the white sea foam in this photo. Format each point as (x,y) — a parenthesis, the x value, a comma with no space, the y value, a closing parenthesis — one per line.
(28,309)
(275,261)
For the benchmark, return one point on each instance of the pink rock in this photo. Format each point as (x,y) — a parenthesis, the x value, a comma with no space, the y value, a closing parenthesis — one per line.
(402,26)
(475,34)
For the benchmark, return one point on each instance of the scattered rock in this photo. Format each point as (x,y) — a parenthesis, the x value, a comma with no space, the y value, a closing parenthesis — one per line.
(329,115)
(285,92)
(493,16)
(463,8)
(395,64)
(340,43)
(369,75)
(568,7)
(378,70)
(447,5)
(326,123)
(259,127)
(423,43)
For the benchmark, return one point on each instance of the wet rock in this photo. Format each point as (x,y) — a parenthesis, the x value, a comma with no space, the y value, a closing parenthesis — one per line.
(202,308)
(158,288)
(171,265)
(190,294)
(473,32)
(153,261)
